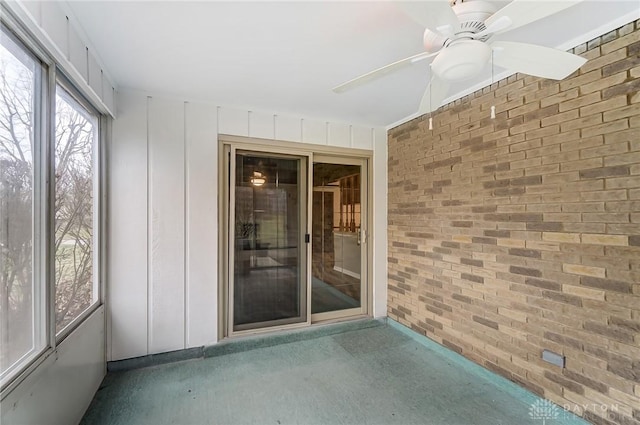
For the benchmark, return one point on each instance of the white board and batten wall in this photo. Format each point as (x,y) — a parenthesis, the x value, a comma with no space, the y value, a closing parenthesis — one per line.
(162,224)
(163,214)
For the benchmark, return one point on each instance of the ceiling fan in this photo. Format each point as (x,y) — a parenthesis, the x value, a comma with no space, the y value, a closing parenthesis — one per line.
(458,36)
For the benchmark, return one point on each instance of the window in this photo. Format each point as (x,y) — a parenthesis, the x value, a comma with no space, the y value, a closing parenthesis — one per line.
(75,139)
(20,327)
(49,209)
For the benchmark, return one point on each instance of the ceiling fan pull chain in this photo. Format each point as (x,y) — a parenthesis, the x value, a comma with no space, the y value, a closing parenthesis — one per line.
(493,107)
(430,87)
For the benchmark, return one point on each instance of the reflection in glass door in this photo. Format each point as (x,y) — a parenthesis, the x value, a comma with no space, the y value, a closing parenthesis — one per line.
(338,229)
(269,250)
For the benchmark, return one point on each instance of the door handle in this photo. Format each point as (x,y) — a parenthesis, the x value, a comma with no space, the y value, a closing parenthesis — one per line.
(359,236)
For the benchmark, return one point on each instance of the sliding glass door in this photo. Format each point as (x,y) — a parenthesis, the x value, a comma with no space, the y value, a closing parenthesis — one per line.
(339,233)
(295,237)
(269,250)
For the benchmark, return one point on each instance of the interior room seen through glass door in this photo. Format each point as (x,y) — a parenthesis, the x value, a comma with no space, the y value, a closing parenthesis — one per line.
(269,273)
(337,239)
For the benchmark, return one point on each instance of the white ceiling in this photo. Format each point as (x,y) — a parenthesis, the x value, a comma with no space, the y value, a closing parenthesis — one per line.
(286,56)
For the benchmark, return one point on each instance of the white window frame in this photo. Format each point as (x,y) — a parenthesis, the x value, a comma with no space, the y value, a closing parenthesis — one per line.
(39,226)
(44,209)
(73,96)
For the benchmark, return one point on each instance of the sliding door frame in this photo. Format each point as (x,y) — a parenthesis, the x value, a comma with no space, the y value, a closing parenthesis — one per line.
(227,146)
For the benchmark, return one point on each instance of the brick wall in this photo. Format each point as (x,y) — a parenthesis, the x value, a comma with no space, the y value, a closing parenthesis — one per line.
(512,235)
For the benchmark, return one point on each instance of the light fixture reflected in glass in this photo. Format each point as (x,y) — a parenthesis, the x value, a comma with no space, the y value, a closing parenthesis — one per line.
(258,179)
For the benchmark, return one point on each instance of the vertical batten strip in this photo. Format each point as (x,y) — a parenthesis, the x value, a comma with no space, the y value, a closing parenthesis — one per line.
(149,219)
(68,30)
(86,58)
(373,138)
(275,126)
(328,134)
(185,229)
(350,136)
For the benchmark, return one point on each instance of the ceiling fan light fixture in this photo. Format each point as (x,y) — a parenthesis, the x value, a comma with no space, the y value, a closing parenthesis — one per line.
(461,60)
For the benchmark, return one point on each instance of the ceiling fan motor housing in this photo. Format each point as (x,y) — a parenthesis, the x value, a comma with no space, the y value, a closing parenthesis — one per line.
(463,57)
(461,60)
(472,15)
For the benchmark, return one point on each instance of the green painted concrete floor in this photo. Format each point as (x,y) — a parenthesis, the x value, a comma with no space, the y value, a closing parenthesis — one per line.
(376,374)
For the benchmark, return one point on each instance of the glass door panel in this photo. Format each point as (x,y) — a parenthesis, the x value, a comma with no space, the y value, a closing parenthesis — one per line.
(269,251)
(337,243)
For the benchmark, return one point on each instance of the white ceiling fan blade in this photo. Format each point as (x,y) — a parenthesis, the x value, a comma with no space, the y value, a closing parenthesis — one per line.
(535,60)
(522,12)
(437,15)
(433,96)
(380,72)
